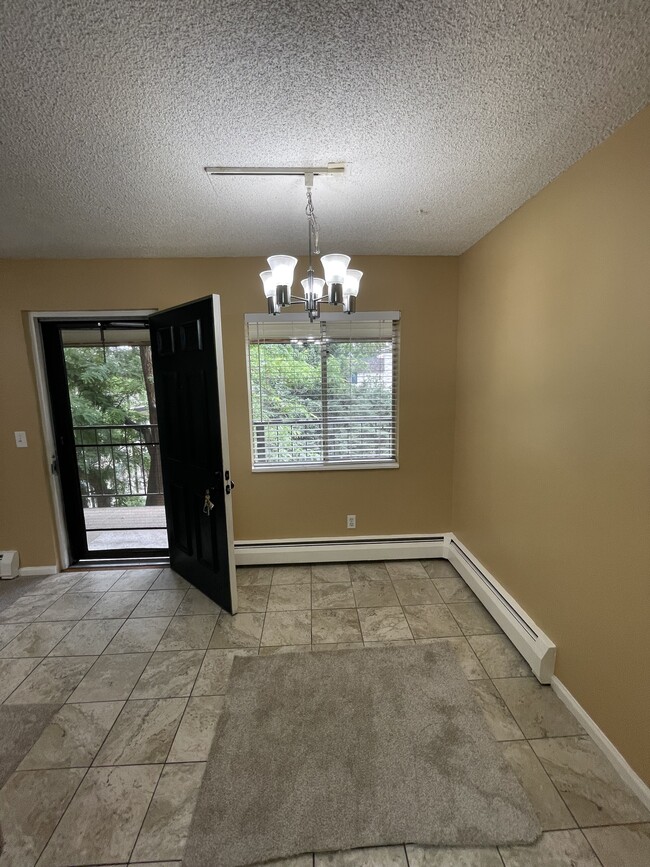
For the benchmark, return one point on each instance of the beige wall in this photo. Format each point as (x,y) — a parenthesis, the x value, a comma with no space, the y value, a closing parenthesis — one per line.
(552,472)
(416,498)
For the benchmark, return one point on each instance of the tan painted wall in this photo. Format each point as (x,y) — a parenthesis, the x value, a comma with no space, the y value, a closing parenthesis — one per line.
(552,471)
(416,498)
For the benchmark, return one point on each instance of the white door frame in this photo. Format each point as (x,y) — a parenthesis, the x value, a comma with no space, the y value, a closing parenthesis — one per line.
(63,553)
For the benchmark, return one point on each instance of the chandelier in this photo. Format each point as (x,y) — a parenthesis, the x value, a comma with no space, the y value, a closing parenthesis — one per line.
(339,286)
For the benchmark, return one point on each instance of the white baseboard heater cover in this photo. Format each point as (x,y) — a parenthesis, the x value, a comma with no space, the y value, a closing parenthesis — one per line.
(271,552)
(537,648)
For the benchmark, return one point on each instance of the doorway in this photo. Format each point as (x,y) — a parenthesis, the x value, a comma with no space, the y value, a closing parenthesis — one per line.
(102,397)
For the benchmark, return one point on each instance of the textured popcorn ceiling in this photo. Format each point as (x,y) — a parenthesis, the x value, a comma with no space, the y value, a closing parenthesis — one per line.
(448,114)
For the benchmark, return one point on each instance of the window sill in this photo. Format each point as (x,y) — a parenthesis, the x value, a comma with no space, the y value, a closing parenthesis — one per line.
(310,468)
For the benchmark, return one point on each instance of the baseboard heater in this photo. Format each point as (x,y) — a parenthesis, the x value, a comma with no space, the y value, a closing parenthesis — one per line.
(536,647)
(268,552)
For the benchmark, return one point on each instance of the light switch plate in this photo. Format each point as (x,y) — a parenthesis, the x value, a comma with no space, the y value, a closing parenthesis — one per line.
(21,439)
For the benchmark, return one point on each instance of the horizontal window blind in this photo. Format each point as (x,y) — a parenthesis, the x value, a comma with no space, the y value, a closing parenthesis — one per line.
(323,393)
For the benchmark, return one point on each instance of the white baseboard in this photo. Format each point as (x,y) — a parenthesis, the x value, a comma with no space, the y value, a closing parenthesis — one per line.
(627,774)
(269,552)
(37,570)
(537,648)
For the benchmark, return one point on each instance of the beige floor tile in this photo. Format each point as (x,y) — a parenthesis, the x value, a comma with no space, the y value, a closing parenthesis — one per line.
(590,786)
(250,576)
(553,849)
(335,625)
(196,602)
(472,668)
(139,635)
(372,570)
(330,573)
(74,736)
(400,570)
(273,649)
(98,580)
(71,606)
(499,719)
(383,624)
(103,820)
(87,638)
(36,639)
(431,621)
(287,627)
(143,732)
(8,631)
(167,822)
(453,589)
(215,670)
(25,609)
(537,709)
(159,603)
(498,656)
(169,674)
(473,619)
(551,810)
(13,672)
(417,591)
(137,579)
(294,574)
(380,856)
(114,605)
(342,645)
(31,804)
(615,846)
(338,595)
(400,642)
(298,861)
(374,594)
(289,597)
(252,598)
(170,580)
(53,681)
(240,630)
(111,678)
(430,856)
(196,731)
(439,568)
(188,633)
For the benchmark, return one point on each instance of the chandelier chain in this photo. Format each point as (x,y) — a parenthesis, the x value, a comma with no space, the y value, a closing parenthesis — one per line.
(313,222)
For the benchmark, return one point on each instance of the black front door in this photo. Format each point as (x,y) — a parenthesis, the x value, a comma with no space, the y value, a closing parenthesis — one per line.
(188,374)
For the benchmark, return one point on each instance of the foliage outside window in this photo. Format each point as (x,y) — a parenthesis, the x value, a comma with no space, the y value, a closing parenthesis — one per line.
(323,394)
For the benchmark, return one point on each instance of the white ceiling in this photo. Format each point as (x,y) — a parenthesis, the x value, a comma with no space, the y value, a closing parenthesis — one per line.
(448,115)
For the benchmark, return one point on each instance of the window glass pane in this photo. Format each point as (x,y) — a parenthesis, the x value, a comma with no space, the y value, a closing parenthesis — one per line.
(323,393)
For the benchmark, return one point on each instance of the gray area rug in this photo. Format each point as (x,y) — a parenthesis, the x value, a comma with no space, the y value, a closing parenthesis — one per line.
(327,751)
(21,725)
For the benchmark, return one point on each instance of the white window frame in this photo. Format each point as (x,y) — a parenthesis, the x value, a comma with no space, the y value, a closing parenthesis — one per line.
(252,318)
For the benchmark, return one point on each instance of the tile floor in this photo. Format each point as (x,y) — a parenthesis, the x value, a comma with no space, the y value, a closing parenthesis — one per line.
(140,660)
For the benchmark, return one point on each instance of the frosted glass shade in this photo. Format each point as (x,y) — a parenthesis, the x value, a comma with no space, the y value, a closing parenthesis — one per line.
(282,269)
(351,282)
(335,265)
(317,287)
(268,283)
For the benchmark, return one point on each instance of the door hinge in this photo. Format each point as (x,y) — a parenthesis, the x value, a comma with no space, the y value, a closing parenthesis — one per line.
(54,466)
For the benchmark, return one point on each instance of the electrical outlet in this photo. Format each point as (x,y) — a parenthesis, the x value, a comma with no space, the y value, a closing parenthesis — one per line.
(352,522)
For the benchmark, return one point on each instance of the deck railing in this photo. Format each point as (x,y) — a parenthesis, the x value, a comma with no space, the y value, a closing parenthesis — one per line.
(119,465)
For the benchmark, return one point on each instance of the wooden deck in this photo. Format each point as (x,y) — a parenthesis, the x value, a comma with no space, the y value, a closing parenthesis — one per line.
(126,527)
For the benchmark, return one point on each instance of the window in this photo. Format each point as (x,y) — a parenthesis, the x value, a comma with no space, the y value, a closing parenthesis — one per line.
(323,394)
